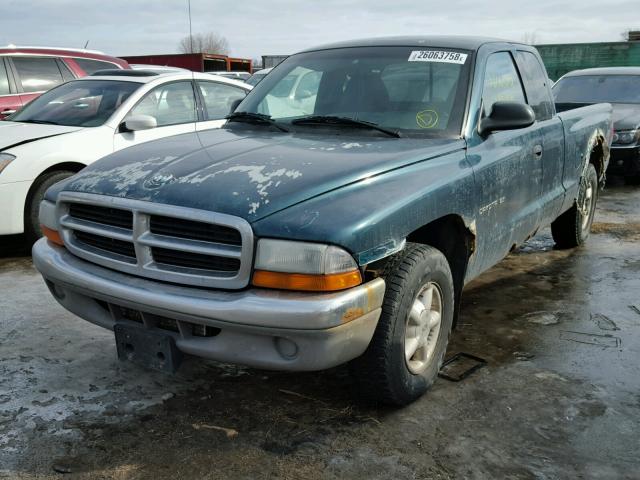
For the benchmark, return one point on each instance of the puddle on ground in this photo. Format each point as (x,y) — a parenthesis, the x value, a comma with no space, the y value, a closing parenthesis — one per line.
(620,230)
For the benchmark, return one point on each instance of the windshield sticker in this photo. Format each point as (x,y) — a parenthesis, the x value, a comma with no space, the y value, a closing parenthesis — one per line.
(427,118)
(439,56)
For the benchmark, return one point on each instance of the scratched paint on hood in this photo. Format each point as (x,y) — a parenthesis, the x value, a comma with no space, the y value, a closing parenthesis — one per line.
(249,174)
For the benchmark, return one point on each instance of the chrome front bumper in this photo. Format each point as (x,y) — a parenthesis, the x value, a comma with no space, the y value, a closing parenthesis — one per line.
(262,328)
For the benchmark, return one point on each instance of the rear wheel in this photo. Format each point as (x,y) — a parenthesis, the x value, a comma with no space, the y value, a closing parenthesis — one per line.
(406,352)
(31,210)
(573,227)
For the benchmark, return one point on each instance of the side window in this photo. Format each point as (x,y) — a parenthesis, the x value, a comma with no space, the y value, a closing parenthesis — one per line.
(535,83)
(4,79)
(219,98)
(92,66)
(501,81)
(37,74)
(170,104)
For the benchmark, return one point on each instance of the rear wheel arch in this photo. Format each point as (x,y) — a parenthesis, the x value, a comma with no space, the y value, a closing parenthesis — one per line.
(597,157)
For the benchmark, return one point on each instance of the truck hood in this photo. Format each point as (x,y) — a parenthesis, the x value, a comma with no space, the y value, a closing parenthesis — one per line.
(249,174)
(13,134)
(626,116)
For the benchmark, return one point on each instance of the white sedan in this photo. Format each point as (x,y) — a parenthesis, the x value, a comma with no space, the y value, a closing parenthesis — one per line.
(81,121)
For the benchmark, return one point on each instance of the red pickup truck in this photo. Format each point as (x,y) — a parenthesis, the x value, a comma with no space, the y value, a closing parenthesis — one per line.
(27,72)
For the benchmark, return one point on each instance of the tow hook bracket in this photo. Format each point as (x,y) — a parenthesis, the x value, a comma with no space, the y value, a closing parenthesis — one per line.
(460,366)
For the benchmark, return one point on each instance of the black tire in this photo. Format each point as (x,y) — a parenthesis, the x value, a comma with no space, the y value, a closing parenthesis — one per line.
(382,373)
(572,228)
(32,207)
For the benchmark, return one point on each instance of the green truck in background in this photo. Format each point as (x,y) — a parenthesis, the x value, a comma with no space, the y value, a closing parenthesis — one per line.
(563,58)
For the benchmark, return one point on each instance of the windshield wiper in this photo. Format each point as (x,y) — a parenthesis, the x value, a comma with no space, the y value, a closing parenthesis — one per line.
(346,121)
(255,118)
(39,122)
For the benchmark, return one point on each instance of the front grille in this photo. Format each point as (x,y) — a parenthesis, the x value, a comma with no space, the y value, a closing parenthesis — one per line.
(104,215)
(110,245)
(163,242)
(195,260)
(206,232)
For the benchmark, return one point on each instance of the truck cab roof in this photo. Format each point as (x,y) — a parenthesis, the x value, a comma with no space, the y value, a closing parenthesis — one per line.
(446,41)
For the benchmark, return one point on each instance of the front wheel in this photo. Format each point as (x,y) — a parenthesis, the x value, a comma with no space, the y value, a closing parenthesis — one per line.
(572,228)
(406,352)
(32,208)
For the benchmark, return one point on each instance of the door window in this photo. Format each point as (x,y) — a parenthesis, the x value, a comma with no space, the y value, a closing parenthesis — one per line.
(91,66)
(4,79)
(170,104)
(501,82)
(535,83)
(219,98)
(37,74)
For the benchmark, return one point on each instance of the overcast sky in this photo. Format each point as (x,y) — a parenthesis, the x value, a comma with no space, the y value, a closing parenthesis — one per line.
(268,27)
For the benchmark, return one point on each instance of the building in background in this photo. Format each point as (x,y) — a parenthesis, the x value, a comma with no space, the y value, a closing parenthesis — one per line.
(270,61)
(563,58)
(197,62)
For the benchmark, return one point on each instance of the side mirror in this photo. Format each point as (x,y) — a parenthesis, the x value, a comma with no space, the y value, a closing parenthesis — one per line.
(138,122)
(507,116)
(235,104)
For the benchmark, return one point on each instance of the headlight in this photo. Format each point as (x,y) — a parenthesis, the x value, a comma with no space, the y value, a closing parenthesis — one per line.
(5,159)
(625,137)
(293,265)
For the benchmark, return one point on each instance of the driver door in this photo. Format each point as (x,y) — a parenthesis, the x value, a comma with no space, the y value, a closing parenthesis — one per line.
(507,169)
(173,105)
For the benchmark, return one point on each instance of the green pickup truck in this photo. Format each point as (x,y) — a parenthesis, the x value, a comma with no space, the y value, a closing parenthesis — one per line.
(335,218)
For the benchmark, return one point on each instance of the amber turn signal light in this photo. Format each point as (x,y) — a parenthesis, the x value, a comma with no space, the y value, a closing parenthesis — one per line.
(307,282)
(52,235)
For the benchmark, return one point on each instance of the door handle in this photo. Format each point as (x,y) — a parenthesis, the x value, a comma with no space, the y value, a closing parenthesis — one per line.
(537,150)
(7,112)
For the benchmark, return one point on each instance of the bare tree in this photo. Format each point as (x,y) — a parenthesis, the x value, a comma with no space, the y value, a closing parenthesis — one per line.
(530,38)
(204,43)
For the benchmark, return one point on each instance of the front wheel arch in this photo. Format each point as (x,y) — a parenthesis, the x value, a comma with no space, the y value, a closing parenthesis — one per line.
(61,170)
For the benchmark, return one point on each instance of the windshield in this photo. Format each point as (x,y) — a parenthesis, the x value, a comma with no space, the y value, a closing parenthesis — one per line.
(415,91)
(597,89)
(254,79)
(83,103)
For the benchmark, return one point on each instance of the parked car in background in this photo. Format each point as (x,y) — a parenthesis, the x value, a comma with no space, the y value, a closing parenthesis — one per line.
(258,76)
(619,86)
(157,68)
(26,72)
(74,124)
(242,76)
(340,230)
